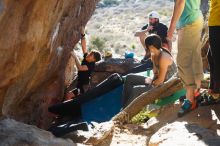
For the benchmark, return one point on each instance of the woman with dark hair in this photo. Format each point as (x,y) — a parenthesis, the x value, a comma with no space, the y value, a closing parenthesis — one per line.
(163,68)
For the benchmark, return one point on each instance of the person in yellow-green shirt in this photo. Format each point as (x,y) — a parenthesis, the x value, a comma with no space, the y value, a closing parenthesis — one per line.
(188,20)
(212,97)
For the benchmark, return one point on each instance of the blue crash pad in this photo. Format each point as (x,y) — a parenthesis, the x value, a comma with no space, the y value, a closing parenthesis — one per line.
(104,107)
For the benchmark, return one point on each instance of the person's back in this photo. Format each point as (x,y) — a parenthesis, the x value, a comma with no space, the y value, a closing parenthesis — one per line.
(190,13)
(214,18)
(171,69)
(85,68)
(84,75)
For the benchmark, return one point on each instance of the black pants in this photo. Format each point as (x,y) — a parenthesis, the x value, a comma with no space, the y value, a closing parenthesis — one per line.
(214,58)
(134,86)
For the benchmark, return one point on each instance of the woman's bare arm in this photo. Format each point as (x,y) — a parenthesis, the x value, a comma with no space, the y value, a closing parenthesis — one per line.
(164,63)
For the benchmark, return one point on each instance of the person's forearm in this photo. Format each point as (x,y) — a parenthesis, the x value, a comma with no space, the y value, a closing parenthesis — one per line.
(141,32)
(177,12)
(145,31)
(158,81)
(78,64)
(83,43)
(77,61)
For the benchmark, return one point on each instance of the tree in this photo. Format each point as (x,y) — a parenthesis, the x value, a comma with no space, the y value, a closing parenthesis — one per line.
(98,43)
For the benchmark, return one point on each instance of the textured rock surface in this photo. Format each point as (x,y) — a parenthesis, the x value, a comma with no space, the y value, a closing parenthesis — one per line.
(15,133)
(204,118)
(184,134)
(113,65)
(94,136)
(36,39)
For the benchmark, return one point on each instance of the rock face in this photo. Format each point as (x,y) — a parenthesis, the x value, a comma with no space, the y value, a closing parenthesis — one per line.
(94,136)
(14,133)
(199,127)
(184,134)
(105,68)
(36,39)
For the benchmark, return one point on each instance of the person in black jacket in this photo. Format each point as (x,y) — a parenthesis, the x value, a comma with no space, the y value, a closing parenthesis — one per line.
(85,68)
(154,27)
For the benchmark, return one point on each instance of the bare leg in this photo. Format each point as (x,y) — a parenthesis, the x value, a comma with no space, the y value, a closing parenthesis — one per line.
(190,94)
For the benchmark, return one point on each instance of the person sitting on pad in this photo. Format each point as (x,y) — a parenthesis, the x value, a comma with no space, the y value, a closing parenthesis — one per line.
(84,69)
(163,68)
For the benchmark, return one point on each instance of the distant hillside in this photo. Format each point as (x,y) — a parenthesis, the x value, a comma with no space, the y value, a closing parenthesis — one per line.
(115,21)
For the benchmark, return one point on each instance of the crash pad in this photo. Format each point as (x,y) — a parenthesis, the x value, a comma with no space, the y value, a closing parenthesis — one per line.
(104,107)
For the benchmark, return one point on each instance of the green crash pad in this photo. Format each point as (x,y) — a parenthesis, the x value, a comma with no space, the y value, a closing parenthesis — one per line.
(170,99)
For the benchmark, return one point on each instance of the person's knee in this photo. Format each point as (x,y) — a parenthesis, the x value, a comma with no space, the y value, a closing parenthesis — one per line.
(129,78)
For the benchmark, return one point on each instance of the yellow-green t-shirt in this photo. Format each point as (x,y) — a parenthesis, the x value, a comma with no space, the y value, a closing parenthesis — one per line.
(190,13)
(214,18)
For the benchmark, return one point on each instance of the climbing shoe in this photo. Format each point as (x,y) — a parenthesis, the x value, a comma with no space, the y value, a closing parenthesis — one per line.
(208,99)
(186,107)
(197,97)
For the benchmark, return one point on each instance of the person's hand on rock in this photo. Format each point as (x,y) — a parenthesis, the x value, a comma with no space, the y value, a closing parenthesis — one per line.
(148,80)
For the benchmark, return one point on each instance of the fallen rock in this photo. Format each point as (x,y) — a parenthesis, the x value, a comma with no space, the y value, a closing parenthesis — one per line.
(13,133)
(184,134)
(94,136)
(107,67)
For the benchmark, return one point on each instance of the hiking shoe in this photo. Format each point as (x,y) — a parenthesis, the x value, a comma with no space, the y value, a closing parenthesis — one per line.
(186,107)
(208,99)
(196,97)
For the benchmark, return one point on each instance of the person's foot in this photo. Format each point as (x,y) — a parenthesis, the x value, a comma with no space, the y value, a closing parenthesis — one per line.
(186,107)
(197,97)
(209,99)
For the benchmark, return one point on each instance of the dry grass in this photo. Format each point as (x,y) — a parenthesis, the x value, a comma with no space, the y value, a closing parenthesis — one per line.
(117,24)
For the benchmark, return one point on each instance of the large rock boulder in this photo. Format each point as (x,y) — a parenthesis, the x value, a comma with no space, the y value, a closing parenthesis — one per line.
(36,39)
(15,133)
(199,126)
(184,134)
(109,66)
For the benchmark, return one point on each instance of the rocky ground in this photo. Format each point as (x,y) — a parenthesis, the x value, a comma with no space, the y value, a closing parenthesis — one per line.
(29,86)
(198,128)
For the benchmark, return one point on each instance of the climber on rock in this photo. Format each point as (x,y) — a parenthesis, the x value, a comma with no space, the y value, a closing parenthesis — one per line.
(85,68)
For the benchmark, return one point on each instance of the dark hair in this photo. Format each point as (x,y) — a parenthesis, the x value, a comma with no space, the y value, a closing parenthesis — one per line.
(153,40)
(97,55)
